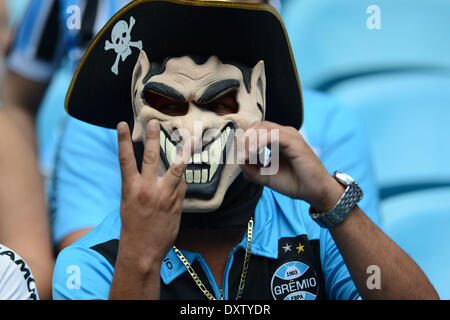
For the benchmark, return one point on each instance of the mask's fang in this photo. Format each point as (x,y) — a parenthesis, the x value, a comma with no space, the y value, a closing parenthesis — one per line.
(202,165)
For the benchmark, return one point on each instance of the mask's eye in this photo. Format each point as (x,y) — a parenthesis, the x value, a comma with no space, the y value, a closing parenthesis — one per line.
(225,104)
(168,106)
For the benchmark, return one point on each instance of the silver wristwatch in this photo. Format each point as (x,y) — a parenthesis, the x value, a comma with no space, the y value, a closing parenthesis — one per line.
(352,195)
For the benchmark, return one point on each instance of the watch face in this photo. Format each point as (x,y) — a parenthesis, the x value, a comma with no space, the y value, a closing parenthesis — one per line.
(343,178)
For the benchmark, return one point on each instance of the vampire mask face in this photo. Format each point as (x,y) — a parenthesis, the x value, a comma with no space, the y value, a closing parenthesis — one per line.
(206,101)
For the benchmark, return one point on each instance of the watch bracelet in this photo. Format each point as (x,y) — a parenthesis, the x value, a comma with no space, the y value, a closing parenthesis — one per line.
(352,195)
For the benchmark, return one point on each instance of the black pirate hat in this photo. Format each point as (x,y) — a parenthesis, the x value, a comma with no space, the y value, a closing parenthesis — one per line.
(100,91)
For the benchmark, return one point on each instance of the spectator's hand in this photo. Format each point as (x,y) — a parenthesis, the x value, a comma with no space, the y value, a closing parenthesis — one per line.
(301,174)
(151,205)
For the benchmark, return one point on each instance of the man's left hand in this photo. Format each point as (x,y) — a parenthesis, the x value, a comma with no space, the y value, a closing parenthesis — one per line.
(300,174)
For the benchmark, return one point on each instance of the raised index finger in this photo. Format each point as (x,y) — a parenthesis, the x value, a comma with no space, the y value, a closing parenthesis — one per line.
(128,167)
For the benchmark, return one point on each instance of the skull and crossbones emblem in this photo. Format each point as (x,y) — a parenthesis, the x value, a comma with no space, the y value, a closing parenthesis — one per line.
(121,42)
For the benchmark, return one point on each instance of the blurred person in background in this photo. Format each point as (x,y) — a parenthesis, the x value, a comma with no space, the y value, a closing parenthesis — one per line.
(86,182)
(11,12)
(16,279)
(24,221)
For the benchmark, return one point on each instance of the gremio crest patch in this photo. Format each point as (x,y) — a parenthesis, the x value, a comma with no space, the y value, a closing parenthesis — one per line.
(294,280)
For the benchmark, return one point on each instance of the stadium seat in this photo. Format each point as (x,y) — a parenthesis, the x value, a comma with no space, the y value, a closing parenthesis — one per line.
(405,116)
(420,226)
(331,40)
(396,78)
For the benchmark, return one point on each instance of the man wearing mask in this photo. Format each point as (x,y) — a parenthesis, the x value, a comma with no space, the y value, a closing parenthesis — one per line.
(198,218)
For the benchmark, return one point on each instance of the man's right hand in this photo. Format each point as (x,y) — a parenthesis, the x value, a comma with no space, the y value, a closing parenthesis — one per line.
(151,205)
(150,212)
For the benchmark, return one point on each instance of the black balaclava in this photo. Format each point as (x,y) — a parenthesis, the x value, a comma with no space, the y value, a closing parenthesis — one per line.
(237,208)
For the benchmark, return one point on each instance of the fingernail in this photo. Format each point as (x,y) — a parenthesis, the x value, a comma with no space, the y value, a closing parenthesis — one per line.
(153,124)
(121,127)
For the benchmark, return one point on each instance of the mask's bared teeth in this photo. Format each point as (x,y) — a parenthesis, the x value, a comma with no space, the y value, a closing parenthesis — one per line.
(197,158)
(162,141)
(211,156)
(197,176)
(171,152)
(189,176)
(205,157)
(205,175)
(215,153)
(224,139)
(212,170)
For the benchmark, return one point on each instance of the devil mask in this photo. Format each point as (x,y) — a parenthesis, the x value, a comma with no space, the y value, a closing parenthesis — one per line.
(206,101)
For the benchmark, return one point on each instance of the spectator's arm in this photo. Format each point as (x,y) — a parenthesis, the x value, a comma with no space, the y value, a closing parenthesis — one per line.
(31,62)
(21,99)
(24,222)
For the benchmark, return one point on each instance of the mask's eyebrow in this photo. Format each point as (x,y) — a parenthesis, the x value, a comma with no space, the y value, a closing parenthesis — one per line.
(164,90)
(217,88)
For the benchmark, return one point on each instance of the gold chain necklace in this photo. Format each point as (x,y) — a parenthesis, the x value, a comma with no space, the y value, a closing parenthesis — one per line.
(200,284)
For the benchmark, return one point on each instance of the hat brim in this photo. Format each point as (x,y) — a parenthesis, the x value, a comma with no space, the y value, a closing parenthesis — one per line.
(234,31)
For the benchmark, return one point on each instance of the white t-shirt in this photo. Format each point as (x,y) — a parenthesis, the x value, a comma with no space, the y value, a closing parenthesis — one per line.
(16,279)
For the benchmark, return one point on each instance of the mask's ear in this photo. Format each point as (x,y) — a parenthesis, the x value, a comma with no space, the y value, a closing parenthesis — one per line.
(258,83)
(141,69)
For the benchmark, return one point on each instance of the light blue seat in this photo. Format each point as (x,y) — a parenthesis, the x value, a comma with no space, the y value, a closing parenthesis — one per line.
(406,118)
(420,226)
(330,38)
(396,78)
